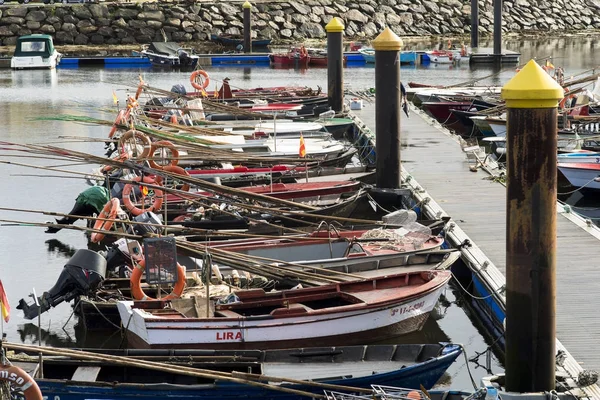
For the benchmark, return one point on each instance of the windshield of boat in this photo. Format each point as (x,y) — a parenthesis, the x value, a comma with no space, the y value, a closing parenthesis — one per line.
(34,47)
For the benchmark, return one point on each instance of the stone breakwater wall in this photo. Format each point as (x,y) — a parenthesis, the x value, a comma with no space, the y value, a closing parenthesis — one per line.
(115,23)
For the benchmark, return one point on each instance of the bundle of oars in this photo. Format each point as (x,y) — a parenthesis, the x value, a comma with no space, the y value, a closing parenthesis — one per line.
(234,377)
(208,104)
(271,268)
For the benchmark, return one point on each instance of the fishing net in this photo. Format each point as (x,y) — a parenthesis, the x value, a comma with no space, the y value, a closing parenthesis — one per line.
(4,390)
(411,236)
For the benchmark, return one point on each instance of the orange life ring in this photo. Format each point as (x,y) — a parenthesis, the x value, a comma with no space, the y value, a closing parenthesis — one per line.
(107,168)
(21,380)
(163,144)
(109,211)
(199,79)
(156,204)
(175,169)
(568,96)
(136,279)
(133,134)
(118,121)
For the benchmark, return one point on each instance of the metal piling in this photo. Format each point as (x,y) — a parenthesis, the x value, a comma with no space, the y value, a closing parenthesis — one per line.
(247,27)
(387,109)
(531,98)
(335,64)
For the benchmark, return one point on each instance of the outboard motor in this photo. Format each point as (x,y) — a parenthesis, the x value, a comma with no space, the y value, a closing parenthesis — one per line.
(179,89)
(81,275)
(184,57)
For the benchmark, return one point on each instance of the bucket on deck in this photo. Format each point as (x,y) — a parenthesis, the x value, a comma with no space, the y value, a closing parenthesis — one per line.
(356,104)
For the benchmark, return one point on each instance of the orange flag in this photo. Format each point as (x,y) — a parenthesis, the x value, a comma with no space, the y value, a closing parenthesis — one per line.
(4,306)
(302,150)
(115,98)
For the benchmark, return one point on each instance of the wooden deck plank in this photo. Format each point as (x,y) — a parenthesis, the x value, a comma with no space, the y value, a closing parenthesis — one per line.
(478,205)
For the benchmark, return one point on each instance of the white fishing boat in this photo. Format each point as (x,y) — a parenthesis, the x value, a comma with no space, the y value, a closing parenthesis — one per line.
(352,312)
(35,51)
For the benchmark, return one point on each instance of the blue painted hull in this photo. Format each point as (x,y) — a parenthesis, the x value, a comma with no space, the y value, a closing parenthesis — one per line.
(426,373)
(239,59)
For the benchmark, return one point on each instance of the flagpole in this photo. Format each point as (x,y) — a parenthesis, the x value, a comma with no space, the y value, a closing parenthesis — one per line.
(1,320)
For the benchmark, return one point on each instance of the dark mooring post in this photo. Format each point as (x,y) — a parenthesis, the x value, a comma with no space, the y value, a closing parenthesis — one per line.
(247,27)
(497,31)
(532,98)
(335,64)
(474,23)
(387,109)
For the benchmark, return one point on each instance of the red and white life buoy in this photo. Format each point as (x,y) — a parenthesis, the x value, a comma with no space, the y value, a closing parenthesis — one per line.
(136,283)
(158,196)
(110,212)
(21,381)
(199,79)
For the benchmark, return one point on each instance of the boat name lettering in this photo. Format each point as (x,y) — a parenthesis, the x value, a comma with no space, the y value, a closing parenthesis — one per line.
(13,377)
(405,309)
(229,336)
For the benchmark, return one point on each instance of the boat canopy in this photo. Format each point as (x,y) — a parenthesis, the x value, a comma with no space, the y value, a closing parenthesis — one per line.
(34,45)
(166,48)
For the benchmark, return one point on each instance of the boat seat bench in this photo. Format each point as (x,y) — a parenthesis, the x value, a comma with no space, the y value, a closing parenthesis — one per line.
(86,373)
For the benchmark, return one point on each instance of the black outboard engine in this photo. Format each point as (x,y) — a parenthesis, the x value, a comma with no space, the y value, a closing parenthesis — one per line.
(81,275)
(184,57)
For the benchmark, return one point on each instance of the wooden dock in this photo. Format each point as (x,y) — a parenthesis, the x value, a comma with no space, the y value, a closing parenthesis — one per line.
(435,159)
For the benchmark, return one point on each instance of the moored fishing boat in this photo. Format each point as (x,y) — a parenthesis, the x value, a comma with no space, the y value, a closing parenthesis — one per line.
(205,374)
(236,40)
(581,175)
(295,57)
(370,309)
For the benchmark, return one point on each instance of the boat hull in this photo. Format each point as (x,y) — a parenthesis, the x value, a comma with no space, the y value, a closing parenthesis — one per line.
(581,175)
(351,326)
(425,373)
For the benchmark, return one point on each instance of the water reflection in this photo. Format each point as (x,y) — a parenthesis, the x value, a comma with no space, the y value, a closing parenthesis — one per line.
(34,78)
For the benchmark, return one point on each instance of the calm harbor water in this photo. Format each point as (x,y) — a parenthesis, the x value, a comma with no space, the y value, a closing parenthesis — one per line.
(32,259)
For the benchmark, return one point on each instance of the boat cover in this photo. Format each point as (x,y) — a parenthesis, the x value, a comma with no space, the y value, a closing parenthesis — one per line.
(166,48)
(34,45)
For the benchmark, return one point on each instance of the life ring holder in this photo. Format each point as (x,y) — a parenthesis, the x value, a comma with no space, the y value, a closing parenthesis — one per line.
(109,211)
(158,196)
(163,144)
(136,280)
(199,79)
(135,135)
(21,380)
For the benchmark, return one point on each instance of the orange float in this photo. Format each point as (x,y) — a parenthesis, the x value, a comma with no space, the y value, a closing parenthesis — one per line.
(136,279)
(110,212)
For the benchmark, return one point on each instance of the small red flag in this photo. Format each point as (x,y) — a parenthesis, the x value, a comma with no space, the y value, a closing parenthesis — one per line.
(4,306)
(302,150)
